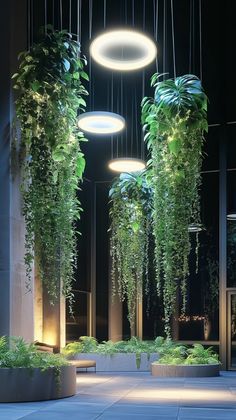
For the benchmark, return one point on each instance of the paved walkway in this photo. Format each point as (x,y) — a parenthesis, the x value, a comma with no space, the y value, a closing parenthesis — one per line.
(134,396)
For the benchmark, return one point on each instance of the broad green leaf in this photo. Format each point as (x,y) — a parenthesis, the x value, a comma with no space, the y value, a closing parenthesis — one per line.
(76,75)
(66,64)
(135,226)
(58,156)
(84,75)
(174,146)
(80,165)
(82,102)
(35,85)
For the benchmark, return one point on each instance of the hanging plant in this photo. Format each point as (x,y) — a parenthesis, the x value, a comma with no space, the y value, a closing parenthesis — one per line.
(175,121)
(131,205)
(49,94)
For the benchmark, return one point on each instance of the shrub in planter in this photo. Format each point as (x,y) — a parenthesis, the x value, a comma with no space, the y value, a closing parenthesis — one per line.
(27,374)
(84,345)
(133,354)
(179,360)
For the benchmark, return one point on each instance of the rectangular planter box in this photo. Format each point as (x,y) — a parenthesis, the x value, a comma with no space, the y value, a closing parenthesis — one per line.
(119,362)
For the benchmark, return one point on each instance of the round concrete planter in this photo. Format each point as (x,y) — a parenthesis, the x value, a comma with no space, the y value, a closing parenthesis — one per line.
(24,384)
(158,369)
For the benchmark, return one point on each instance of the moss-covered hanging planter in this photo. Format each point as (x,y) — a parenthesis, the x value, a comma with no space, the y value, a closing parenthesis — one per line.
(175,121)
(49,93)
(130,213)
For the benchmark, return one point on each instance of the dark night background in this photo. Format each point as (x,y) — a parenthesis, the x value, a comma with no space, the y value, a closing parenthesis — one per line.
(218,40)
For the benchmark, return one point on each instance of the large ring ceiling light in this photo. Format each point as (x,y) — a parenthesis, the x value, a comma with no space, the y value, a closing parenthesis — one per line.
(101,122)
(123,50)
(125,164)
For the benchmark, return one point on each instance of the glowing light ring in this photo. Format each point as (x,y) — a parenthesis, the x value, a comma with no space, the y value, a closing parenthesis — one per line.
(101,122)
(126,165)
(195,228)
(231,216)
(123,38)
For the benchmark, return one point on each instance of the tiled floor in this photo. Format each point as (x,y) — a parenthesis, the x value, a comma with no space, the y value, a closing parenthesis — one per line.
(129,396)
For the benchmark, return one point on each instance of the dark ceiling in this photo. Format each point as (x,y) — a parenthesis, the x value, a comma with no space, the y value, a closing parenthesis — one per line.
(203,45)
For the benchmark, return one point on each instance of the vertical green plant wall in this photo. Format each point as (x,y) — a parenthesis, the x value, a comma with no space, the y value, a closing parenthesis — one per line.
(49,92)
(130,213)
(175,121)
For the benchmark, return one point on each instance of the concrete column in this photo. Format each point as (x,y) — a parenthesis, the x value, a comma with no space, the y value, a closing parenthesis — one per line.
(115,312)
(16,305)
(53,322)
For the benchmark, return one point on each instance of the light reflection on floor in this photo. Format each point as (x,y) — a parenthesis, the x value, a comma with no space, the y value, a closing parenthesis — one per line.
(214,391)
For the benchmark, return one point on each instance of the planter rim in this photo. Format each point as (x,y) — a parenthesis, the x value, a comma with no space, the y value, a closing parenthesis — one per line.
(195,365)
(118,352)
(34,368)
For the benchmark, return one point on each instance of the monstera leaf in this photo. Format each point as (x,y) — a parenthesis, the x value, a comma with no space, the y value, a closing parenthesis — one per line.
(180,95)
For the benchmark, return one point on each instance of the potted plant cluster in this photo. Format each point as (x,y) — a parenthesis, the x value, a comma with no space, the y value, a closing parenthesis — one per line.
(131,355)
(183,361)
(27,374)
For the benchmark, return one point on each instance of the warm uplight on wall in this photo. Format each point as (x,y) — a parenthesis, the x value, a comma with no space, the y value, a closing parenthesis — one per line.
(123,50)
(126,165)
(99,122)
(50,336)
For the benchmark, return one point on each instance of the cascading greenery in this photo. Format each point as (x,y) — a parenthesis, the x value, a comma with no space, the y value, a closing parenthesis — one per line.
(49,94)
(130,212)
(175,121)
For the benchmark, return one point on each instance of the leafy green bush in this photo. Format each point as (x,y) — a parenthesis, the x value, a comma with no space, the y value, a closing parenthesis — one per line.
(168,351)
(84,345)
(175,354)
(90,345)
(15,353)
(200,355)
(134,345)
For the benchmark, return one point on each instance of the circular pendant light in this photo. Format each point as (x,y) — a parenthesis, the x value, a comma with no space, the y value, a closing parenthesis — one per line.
(126,164)
(195,228)
(123,50)
(101,122)
(231,216)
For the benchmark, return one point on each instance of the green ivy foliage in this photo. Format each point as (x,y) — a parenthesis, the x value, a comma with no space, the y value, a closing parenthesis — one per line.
(175,121)
(15,353)
(50,91)
(130,213)
(175,354)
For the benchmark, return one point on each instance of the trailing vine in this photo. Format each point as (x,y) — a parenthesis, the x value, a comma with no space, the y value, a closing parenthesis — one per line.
(131,206)
(175,121)
(49,94)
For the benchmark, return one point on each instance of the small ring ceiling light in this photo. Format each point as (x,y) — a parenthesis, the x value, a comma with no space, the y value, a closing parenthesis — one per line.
(101,122)
(126,164)
(195,228)
(123,50)
(231,216)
